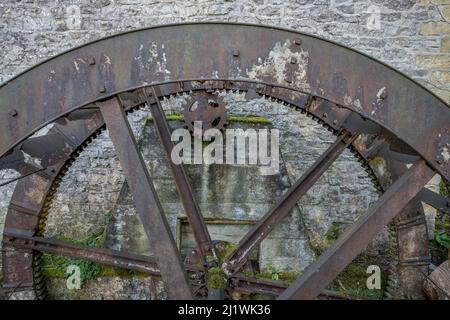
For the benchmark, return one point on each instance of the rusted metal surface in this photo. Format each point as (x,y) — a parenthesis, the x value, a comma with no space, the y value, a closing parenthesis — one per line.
(145,200)
(207,108)
(356,238)
(282,208)
(249,285)
(190,205)
(435,200)
(410,227)
(339,87)
(332,111)
(20,239)
(164,54)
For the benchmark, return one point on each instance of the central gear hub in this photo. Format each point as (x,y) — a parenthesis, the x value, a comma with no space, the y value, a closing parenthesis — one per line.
(206,107)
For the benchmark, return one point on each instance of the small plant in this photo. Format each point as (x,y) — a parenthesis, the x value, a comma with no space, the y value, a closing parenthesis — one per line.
(443,238)
(275,273)
(216,278)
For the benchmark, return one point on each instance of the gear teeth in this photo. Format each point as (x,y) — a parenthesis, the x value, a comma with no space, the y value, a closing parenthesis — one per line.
(392,284)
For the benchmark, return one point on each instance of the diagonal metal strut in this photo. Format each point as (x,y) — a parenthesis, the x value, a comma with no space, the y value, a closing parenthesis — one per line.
(145,199)
(356,238)
(190,205)
(282,208)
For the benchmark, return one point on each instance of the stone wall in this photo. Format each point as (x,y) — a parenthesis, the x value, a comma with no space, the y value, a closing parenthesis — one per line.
(412,36)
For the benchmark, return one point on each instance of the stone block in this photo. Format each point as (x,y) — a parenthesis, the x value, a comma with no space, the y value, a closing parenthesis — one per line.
(441,78)
(445,44)
(435,28)
(433,61)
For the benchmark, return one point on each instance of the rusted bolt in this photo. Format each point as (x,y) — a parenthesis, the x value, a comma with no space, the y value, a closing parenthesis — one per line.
(293,60)
(13,113)
(298,41)
(92,61)
(102,89)
(236,53)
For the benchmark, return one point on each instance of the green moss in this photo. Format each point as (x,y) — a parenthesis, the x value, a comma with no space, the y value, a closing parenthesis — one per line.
(439,246)
(228,251)
(363,293)
(443,190)
(437,252)
(249,119)
(108,271)
(174,116)
(216,278)
(55,266)
(334,232)
(317,250)
(271,273)
(352,281)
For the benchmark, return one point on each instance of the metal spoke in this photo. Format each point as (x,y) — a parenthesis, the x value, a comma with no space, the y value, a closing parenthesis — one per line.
(190,205)
(104,256)
(146,201)
(319,274)
(435,200)
(245,284)
(282,208)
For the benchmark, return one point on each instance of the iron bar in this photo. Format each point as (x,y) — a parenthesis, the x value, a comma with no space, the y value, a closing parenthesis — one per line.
(146,200)
(267,287)
(435,200)
(356,238)
(284,205)
(190,205)
(104,256)
(22,176)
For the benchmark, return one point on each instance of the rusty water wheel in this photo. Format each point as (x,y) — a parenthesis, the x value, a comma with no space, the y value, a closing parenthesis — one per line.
(356,106)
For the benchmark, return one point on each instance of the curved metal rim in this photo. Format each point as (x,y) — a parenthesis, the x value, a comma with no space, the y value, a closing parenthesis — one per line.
(290,105)
(426,152)
(226,23)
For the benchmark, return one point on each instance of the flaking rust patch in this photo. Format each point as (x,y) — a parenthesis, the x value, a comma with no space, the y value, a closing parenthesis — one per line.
(153,59)
(78,64)
(282,65)
(36,190)
(443,156)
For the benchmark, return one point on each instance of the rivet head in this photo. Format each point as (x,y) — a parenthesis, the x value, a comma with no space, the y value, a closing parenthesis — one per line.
(325,115)
(293,60)
(236,53)
(13,113)
(92,61)
(335,122)
(298,41)
(102,89)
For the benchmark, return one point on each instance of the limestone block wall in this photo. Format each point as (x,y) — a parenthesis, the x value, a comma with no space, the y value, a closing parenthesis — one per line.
(410,35)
